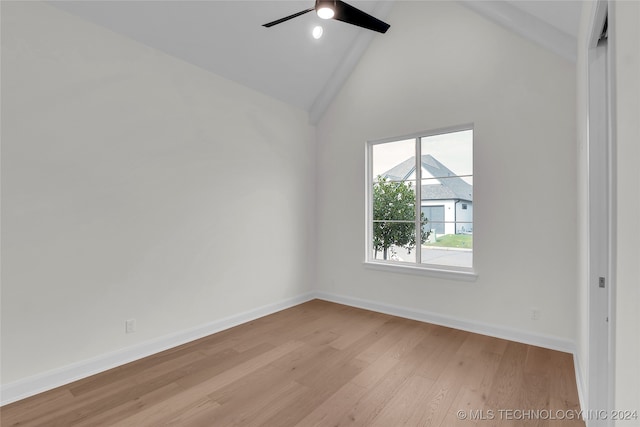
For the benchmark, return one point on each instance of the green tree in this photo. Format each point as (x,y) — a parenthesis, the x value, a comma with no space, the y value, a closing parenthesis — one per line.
(395,201)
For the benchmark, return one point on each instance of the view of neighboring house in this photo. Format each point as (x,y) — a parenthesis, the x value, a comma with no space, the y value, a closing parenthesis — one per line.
(446,199)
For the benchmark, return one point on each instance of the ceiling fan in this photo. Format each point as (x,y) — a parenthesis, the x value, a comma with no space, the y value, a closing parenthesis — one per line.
(341,11)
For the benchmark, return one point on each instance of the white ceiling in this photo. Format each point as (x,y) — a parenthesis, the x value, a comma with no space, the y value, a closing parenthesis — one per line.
(285,62)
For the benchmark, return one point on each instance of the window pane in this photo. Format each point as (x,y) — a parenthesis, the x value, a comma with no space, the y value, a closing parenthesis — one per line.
(447,198)
(394,241)
(447,154)
(394,161)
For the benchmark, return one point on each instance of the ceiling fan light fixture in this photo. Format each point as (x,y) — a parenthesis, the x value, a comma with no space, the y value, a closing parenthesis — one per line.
(325,12)
(326,9)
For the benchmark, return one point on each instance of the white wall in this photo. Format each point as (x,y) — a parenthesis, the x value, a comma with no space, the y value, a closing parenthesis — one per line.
(625,18)
(447,66)
(135,185)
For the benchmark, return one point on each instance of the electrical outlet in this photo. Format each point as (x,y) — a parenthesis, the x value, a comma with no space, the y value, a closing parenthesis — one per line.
(130,326)
(535,314)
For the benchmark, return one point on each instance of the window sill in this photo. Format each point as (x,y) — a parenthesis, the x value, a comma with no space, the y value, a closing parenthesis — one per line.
(466,275)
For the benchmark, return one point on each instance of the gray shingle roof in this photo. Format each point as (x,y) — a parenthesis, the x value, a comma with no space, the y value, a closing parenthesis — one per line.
(446,186)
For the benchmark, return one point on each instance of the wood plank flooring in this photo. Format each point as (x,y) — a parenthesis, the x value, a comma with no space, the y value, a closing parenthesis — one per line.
(322,364)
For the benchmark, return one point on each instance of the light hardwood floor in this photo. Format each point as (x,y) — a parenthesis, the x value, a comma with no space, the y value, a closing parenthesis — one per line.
(322,364)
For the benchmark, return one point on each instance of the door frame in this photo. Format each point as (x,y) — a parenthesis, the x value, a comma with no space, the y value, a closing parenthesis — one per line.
(600,226)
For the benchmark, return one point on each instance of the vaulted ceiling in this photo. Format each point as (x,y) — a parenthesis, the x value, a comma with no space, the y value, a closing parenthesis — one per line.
(285,61)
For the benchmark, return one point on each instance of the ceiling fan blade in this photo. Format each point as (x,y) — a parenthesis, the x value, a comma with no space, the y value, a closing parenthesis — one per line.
(351,15)
(281,20)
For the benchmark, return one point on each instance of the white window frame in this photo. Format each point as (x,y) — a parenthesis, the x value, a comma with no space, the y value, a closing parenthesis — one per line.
(419,268)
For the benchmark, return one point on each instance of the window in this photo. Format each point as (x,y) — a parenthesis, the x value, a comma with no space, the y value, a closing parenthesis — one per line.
(420,201)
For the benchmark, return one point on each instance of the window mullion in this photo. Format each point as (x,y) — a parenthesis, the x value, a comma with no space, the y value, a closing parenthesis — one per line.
(418,201)
(369,192)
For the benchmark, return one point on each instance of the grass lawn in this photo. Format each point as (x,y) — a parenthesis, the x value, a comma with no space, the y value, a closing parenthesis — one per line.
(453,241)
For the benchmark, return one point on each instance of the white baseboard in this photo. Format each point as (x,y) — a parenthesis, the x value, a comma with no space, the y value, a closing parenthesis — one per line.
(49,380)
(546,341)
